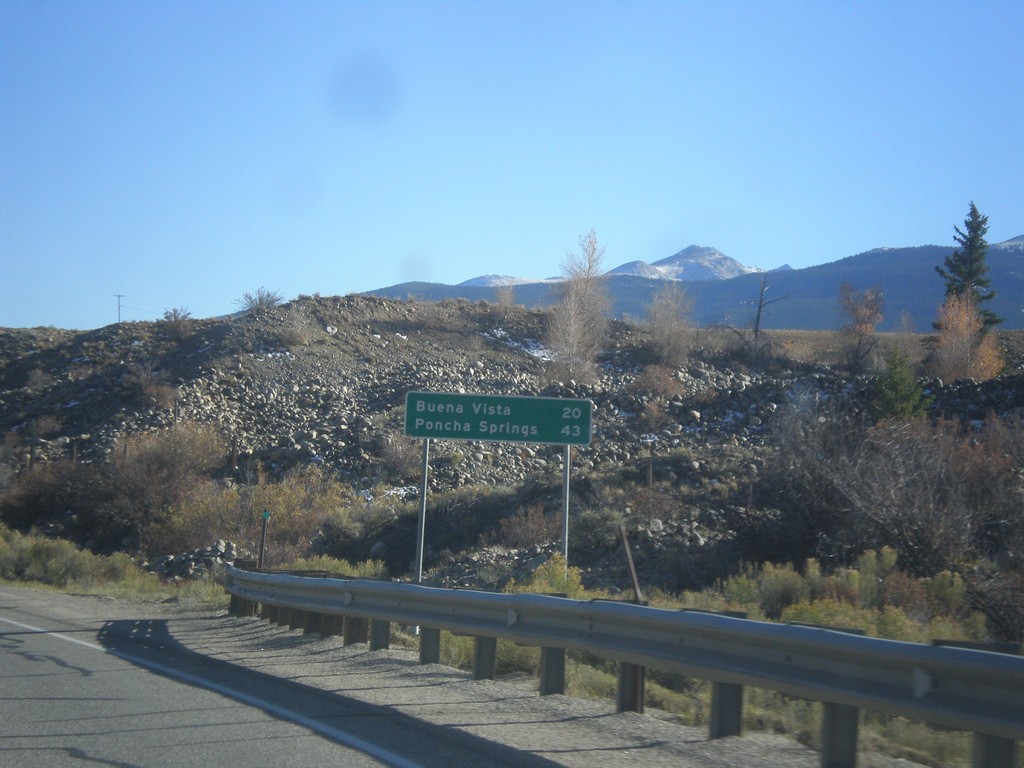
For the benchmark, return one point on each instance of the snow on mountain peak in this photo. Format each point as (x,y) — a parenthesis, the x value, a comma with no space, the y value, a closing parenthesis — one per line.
(695,262)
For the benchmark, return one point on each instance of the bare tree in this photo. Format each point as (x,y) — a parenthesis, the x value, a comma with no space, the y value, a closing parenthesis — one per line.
(504,301)
(963,348)
(862,311)
(579,321)
(668,318)
(756,346)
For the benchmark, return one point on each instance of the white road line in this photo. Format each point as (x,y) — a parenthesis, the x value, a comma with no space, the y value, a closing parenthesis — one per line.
(335,734)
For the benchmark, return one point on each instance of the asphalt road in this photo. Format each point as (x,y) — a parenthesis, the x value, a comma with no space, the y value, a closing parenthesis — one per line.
(78,689)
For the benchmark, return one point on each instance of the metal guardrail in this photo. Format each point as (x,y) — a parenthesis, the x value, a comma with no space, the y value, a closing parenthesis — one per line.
(953,687)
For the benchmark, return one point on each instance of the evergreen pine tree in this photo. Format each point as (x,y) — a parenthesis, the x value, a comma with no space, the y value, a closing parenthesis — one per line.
(898,394)
(965,268)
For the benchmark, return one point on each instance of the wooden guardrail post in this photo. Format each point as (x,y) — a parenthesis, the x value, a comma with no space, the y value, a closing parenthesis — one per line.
(430,645)
(485,657)
(552,671)
(989,751)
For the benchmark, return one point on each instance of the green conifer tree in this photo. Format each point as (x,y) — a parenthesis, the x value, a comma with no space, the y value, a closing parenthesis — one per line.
(965,268)
(898,394)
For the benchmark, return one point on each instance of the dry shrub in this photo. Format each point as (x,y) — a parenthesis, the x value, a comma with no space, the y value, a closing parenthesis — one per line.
(963,349)
(259,301)
(153,472)
(654,416)
(296,332)
(61,494)
(863,312)
(944,497)
(178,324)
(402,456)
(529,527)
(940,495)
(38,379)
(45,426)
(302,505)
(207,511)
(161,395)
(658,380)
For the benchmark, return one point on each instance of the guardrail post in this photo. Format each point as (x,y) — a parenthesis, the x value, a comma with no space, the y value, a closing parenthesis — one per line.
(726,710)
(297,619)
(357,630)
(841,721)
(993,752)
(485,657)
(989,751)
(631,688)
(241,607)
(552,671)
(430,645)
(726,698)
(332,625)
(380,635)
(314,621)
(839,736)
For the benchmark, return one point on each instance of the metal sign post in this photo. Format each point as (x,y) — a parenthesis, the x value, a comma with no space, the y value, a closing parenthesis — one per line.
(263,538)
(565,504)
(421,529)
(496,418)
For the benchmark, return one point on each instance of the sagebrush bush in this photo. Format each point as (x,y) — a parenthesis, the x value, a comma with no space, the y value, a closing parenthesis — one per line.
(61,564)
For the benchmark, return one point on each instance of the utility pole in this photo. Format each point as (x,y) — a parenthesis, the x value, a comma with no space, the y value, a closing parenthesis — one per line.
(119,297)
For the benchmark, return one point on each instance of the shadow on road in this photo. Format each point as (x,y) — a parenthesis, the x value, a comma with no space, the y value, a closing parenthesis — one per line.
(151,644)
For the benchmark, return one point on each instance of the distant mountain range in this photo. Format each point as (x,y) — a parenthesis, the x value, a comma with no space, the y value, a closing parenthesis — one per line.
(723,289)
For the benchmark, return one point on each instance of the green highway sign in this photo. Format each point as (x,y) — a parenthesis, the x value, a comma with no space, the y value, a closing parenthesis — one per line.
(445,416)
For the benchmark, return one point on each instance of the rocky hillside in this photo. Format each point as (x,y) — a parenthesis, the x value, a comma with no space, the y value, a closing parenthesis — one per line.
(323,380)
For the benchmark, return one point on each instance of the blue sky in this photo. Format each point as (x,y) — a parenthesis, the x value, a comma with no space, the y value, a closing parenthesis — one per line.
(185,153)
